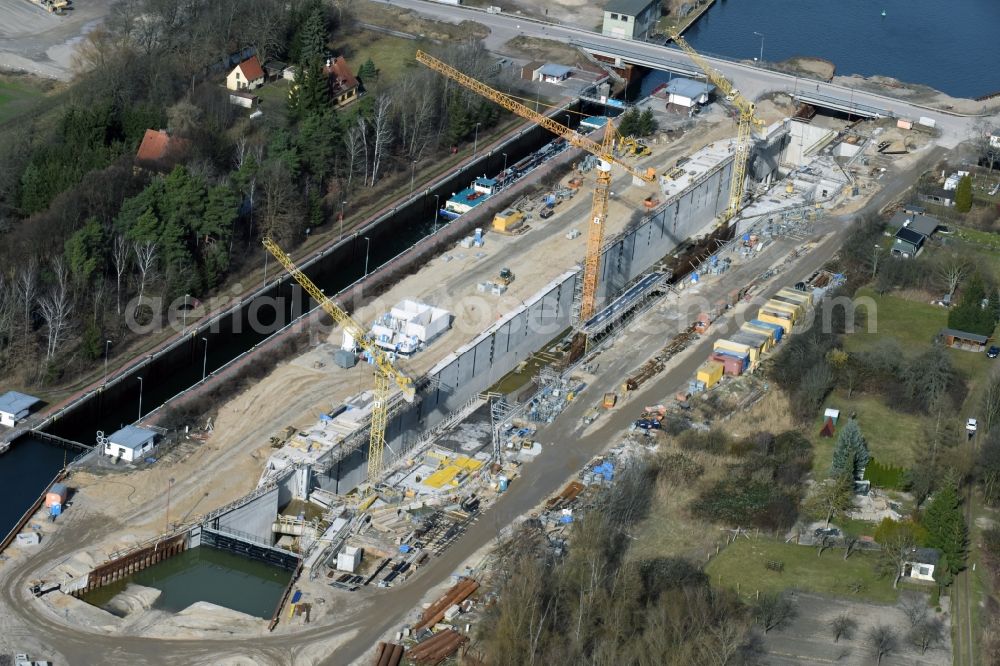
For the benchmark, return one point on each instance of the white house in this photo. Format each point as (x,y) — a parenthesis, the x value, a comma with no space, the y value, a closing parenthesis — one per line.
(921,563)
(130,443)
(15,407)
(551,73)
(688,92)
(630,19)
(248,75)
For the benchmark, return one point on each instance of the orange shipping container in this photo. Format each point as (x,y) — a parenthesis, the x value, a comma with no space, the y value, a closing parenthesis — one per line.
(57,494)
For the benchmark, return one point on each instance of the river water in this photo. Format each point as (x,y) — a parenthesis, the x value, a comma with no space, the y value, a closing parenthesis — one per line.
(24,472)
(206,574)
(949,45)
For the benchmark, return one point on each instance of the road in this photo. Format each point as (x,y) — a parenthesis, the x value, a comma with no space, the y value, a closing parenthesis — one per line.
(31,623)
(752,81)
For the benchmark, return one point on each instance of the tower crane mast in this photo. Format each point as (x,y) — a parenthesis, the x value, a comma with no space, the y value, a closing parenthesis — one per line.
(747,121)
(385,376)
(604,151)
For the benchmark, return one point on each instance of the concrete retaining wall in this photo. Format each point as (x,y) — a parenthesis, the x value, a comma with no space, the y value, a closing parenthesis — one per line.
(478,365)
(255,517)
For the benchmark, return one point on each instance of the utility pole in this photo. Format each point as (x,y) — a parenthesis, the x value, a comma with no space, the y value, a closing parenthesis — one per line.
(761,46)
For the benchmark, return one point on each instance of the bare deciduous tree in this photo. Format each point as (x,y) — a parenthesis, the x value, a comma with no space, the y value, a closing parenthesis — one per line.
(927,633)
(381,133)
(843,626)
(895,554)
(882,641)
(121,258)
(145,261)
(990,411)
(27,291)
(914,607)
(951,272)
(850,543)
(771,611)
(56,308)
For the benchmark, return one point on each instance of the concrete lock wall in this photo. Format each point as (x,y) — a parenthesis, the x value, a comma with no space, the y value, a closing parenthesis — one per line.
(483,362)
(255,517)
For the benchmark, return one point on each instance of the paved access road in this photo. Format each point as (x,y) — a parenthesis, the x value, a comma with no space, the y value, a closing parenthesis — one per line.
(752,81)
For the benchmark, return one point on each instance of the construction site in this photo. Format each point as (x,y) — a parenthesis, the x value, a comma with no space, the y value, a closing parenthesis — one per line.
(566,318)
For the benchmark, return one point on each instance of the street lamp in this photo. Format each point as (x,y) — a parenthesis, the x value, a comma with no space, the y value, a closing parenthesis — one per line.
(413,171)
(204,360)
(761,46)
(107,344)
(504,161)
(166,522)
(437,203)
(140,397)
(368,244)
(567,120)
(475,143)
(342,204)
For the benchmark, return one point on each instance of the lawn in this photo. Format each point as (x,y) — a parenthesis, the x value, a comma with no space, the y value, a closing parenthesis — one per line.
(392,55)
(16,97)
(274,102)
(891,435)
(743,564)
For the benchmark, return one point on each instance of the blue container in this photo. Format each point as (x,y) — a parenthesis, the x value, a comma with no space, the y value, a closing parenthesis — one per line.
(778,331)
(503,484)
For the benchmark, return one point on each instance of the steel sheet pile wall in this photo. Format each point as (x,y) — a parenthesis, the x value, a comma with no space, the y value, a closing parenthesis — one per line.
(476,367)
(677,219)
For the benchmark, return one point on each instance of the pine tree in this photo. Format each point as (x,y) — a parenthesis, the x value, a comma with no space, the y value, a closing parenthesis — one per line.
(850,455)
(368,72)
(946,526)
(647,122)
(313,37)
(963,195)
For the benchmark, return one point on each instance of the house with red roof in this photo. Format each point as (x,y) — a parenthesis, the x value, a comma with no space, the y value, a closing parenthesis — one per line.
(248,75)
(159,150)
(343,84)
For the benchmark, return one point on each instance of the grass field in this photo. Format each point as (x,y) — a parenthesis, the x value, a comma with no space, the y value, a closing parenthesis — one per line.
(392,56)
(891,435)
(16,97)
(743,563)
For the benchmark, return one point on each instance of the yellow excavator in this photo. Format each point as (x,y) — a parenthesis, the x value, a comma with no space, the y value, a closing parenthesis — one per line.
(634,147)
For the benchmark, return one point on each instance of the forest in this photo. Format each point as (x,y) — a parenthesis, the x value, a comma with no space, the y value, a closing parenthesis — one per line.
(92,238)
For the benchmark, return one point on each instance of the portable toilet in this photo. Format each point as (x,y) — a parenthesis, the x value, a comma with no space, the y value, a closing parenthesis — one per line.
(710,373)
(777,331)
(57,494)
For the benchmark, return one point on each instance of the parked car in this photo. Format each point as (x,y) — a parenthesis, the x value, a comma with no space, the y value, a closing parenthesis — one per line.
(993,352)
(971,426)
(826,532)
(647,424)
(546,212)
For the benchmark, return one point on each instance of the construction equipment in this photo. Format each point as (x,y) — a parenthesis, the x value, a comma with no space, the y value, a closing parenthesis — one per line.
(610,400)
(385,377)
(508,221)
(747,122)
(604,151)
(506,276)
(634,147)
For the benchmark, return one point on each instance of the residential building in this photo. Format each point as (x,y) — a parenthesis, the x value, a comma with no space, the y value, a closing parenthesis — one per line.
(921,563)
(630,19)
(343,84)
(15,407)
(248,75)
(939,196)
(130,443)
(913,231)
(160,150)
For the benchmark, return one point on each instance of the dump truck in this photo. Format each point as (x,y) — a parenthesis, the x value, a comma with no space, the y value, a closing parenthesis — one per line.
(610,400)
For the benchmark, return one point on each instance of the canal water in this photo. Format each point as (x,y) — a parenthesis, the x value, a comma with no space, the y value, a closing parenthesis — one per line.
(171,373)
(949,45)
(25,470)
(206,574)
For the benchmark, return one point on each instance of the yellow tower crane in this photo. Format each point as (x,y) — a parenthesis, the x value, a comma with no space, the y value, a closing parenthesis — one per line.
(604,152)
(748,120)
(385,377)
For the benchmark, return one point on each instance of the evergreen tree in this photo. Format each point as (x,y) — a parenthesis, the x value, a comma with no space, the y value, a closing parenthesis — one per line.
(970,315)
(629,125)
(946,527)
(850,455)
(310,92)
(963,195)
(312,41)
(647,122)
(85,251)
(368,72)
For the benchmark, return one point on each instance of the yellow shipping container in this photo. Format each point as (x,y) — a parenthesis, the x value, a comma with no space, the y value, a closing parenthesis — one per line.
(799,296)
(783,322)
(710,373)
(779,307)
(791,303)
(508,220)
(759,330)
(739,348)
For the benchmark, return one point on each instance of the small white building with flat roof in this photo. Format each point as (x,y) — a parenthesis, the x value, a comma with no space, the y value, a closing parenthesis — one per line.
(130,443)
(15,407)
(688,92)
